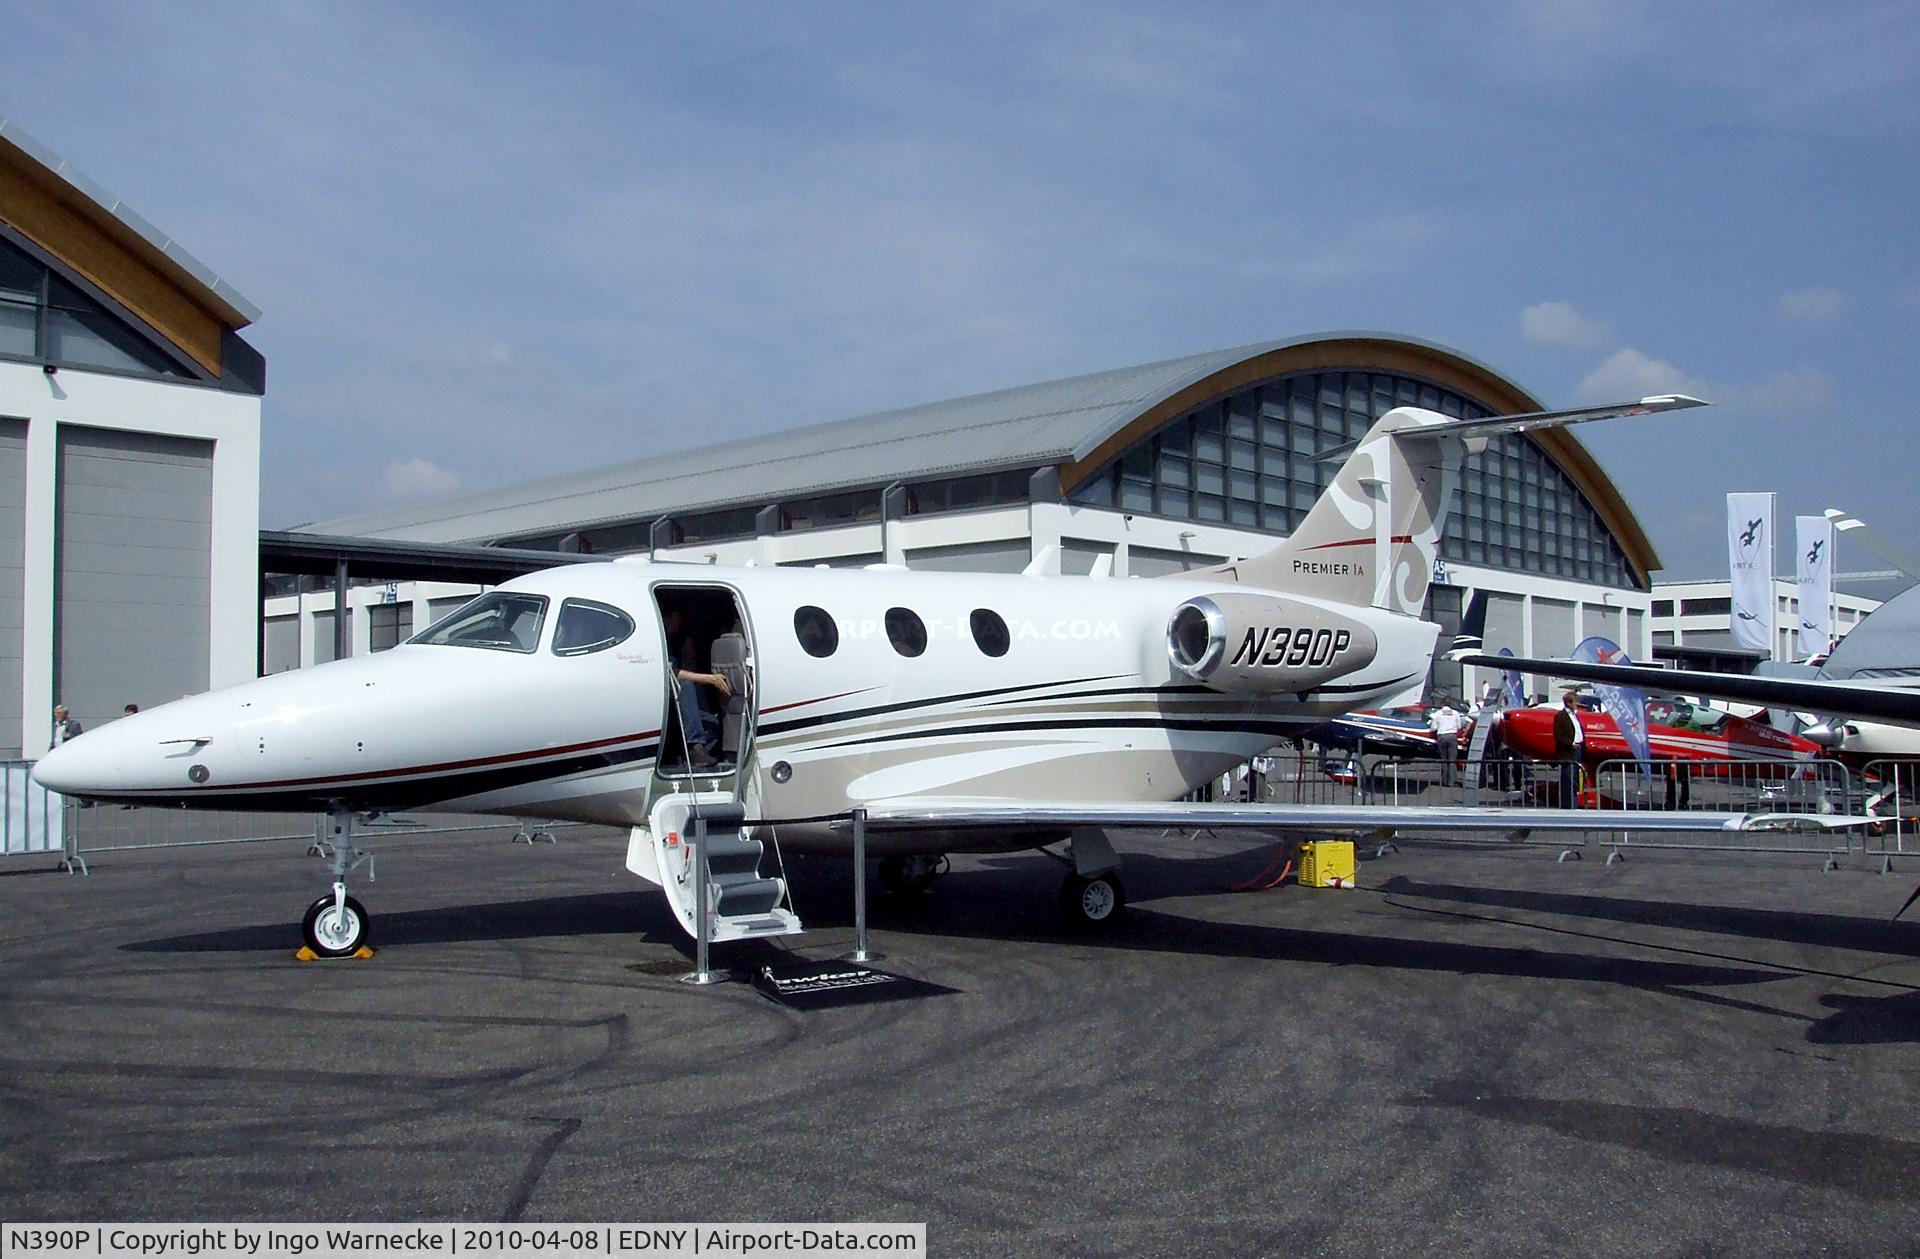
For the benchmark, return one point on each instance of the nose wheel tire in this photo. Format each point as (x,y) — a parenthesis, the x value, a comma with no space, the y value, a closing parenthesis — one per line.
(1092,903)
(333,933)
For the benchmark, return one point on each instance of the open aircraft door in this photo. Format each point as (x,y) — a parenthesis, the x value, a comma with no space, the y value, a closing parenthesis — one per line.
(706,766)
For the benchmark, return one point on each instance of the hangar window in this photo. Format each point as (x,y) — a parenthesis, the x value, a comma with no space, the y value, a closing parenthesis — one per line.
(989,632)
(388,625)
(819,636)
(48,318)
(906,631)
(585,627)
(501,620)
(1250,460)
(967,493)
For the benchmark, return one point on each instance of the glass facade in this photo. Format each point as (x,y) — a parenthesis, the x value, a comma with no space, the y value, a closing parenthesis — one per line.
(1248,461)
(46,318)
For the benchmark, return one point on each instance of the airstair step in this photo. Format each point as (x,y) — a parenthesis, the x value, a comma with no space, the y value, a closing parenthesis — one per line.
(729,855)
(747,897)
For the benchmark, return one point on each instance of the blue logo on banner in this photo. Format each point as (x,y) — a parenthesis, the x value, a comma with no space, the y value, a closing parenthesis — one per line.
(1627,705)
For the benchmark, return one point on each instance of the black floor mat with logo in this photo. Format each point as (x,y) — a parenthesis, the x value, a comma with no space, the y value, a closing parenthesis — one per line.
(826,985)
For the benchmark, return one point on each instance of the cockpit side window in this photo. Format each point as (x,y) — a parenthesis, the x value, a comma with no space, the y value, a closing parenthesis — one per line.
(585,627)
(501,620)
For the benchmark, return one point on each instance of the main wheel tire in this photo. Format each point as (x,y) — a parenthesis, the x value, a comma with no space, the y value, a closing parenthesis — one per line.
(332,934)
(1092,903)
(909,876)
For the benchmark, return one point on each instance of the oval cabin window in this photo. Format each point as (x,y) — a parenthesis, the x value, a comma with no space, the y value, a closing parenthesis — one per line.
(989,632)
(906,631)
(818,635)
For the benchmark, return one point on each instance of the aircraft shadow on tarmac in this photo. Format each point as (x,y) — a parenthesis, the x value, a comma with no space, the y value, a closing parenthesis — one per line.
(1859,1164)
(631,914)
(1787,926)
(1892,1020)
(1008,899)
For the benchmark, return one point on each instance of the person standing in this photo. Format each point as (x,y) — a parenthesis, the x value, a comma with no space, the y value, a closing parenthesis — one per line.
(1568,741)
(1446,722)
(65,725)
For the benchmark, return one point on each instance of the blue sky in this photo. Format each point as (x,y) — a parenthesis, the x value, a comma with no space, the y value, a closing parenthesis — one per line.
(494,241)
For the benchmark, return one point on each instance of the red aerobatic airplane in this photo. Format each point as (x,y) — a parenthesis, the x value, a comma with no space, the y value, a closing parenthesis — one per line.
(1676,731)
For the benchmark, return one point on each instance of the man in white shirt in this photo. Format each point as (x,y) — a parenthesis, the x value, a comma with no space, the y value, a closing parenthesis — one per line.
(1446,722)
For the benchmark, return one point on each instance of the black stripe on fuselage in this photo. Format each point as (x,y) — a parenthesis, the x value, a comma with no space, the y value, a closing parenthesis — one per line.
(854,714)
(1230,725)
(411,794)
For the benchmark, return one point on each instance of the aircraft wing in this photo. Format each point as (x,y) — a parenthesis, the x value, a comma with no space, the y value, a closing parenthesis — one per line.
(1866,701)
(907,814)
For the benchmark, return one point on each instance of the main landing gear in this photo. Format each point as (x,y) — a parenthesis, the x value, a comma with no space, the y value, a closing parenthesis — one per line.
(1092,898)
(336,925)
(910,876)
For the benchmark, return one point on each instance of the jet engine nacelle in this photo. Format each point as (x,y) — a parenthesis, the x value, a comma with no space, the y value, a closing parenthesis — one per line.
(1258,644)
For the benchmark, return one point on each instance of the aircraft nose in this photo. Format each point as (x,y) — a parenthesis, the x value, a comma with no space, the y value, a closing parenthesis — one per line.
(87,765)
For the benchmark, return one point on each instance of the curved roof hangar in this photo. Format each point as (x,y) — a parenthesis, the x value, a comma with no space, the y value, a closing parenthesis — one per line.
(1078,424)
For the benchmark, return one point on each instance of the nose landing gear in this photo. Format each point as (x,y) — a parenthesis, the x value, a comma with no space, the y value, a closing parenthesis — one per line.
(337,925)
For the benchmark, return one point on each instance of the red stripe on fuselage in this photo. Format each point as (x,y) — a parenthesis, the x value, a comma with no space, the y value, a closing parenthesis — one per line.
(1404,537)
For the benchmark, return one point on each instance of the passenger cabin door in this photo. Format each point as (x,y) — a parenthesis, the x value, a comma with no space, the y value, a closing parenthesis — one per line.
(712,701)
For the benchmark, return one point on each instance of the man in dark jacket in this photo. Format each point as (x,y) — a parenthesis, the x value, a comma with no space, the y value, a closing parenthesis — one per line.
(1567,740)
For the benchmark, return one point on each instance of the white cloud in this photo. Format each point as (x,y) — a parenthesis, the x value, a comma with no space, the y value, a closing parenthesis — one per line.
(1627,374)
(416,478)
(1558,323)
(1787,393)
(1819,304)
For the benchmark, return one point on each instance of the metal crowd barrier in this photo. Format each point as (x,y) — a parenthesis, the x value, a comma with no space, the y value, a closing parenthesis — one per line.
(1819,786)
(32,819)
(1893,789)
(1492,780)
(1811,787)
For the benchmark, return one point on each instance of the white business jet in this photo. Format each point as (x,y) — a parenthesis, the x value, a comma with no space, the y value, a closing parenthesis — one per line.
(956,712)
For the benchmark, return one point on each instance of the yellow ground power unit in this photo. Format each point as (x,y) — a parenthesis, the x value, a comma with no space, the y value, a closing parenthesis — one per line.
(1327,863)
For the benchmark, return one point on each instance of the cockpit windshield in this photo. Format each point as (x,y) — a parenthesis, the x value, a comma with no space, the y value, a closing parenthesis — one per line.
(498,621)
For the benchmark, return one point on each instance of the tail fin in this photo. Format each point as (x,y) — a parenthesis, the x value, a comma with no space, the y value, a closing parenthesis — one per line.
(1372,538)
(1473,626)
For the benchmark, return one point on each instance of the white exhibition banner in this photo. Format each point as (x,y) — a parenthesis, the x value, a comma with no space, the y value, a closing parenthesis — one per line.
(1750,561)
(1813,573)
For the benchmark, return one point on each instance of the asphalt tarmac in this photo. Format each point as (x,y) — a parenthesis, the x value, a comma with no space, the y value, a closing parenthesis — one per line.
(1482,1051)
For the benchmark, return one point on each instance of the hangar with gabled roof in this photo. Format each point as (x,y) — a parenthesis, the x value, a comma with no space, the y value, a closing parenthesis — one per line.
(129,457)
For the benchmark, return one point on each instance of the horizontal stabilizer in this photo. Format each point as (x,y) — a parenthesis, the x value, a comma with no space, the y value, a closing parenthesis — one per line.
(1856,530)
(1493,425)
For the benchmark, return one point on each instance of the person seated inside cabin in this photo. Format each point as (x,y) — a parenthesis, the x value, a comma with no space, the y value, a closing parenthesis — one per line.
(697,718)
